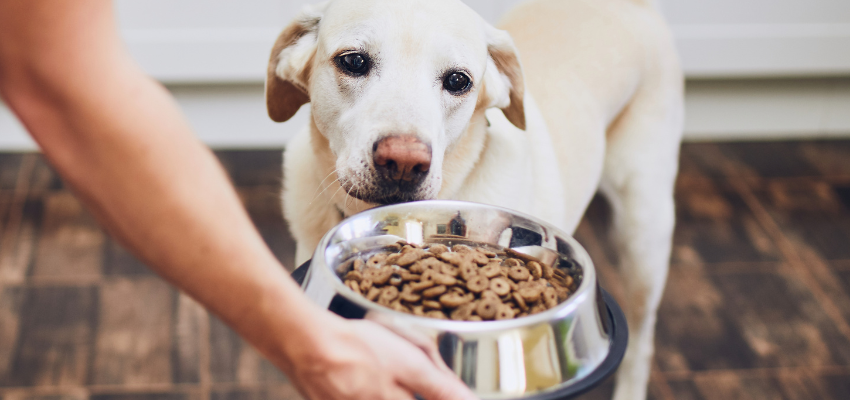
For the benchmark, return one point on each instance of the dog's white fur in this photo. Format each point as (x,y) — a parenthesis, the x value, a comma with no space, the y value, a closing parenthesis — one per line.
(606,115)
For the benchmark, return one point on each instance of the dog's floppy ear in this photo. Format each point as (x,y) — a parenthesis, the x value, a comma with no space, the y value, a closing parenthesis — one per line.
(290,63)
(503,81)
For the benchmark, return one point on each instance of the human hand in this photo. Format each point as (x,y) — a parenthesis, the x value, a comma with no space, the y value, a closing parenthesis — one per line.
(360,359)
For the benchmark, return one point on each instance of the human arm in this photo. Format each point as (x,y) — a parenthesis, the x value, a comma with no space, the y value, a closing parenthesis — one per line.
(119,140)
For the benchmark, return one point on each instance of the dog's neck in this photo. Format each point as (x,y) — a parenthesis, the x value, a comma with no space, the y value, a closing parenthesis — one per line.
(460,159)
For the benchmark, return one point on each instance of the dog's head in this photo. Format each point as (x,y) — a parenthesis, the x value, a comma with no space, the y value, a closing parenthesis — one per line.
(393,86)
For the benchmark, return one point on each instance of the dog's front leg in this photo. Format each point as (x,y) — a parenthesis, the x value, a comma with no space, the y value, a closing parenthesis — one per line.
(643,231)
(638,180)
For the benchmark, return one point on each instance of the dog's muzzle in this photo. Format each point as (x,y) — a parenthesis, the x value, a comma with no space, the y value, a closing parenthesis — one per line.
(401,166)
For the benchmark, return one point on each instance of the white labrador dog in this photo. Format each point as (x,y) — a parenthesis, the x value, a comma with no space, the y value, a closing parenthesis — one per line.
(422,99)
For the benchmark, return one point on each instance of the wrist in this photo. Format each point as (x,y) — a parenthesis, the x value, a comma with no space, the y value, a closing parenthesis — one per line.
(286,326)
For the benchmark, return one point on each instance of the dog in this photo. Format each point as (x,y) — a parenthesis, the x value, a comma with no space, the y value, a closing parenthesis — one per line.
(423,99)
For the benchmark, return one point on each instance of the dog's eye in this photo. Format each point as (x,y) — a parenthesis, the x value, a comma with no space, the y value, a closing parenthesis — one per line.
(354,63)
(456,82)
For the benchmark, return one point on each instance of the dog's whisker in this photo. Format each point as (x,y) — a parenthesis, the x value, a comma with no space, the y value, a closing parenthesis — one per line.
(326,187)
(328,176)
(347,196)
(357,192)
(333,196)
(323,191)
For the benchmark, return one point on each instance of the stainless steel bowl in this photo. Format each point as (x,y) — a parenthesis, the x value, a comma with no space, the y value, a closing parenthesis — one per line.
(510,359)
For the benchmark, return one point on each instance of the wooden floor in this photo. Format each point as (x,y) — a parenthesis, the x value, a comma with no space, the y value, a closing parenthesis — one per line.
(757,305)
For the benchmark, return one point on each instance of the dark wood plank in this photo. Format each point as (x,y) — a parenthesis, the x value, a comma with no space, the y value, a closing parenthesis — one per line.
(134,333)
(264,206)
(843,193)
(70,243)
(79,395)
(606,389)
(186,349)
(56,337)
(253,167)
(11,299)
(829,157)
(813,212)
(44,179)
(142,396)
(285,392)
(733,385)
(773,159)
(715,225)
(685,390)
(770,159)
(10,164)
(741,321)
(117,261)
(815,222)
(233,360)
(835,386)
(708,159)
(18,237)
(694,331)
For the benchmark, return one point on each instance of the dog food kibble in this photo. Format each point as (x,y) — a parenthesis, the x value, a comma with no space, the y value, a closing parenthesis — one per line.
(461,282)
(519,273)
(536,269)
(388,294)
(477,283)
(486,309)
(431,304)
(504,312)
(433,291)
(463,312)
(454,300)
(373,294)
(490,269)
(500,286)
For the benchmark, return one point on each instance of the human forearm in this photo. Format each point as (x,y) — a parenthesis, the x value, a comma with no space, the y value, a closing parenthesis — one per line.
(119,140)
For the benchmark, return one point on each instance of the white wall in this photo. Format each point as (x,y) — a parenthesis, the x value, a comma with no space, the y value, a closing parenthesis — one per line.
(212,55)
(224,40)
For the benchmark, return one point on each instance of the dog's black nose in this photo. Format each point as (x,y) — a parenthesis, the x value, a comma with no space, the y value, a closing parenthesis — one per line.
(403,160)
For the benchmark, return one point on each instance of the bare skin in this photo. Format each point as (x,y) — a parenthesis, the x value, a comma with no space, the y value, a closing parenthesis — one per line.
(119,140)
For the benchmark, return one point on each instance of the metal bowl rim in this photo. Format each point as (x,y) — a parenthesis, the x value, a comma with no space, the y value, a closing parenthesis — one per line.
(585,289)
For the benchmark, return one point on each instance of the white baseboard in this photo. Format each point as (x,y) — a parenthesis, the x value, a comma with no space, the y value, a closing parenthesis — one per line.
(223,116)
(767,109)
(763,50)
(13,136)
(234,116)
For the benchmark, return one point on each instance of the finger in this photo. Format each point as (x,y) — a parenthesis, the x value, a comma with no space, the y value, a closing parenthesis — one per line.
(400,394)
(432,383)
(418,339)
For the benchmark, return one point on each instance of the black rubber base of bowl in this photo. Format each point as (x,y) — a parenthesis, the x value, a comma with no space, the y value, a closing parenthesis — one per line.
(618,331)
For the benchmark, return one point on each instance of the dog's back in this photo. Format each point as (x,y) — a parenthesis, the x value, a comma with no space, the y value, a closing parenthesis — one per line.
(585,62)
